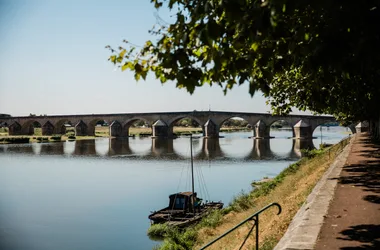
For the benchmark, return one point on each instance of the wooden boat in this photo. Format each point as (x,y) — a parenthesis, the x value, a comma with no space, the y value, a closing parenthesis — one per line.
(184,208)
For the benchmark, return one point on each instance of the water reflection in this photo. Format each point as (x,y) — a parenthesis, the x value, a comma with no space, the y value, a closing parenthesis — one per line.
(178,149)
(300,144)
(119,146)
(85,147)
(51,148)
(210,149)
(162,148)
(261,149)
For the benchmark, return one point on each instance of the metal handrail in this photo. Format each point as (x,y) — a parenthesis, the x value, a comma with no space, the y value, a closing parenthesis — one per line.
(255,218)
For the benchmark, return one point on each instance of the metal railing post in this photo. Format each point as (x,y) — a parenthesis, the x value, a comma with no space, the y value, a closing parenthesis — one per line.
(255,218)
(257,232)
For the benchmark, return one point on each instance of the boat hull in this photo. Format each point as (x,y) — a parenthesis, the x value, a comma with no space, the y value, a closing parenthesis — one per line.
(180,218)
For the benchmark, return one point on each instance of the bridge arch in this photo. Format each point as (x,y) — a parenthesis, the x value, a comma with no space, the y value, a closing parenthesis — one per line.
(130,122)
(236,122)
(98,127)
(314,128)
(14,129)
(61,125)
(172,121)
(31,127)
(4,127)
(283,127)
(195,122)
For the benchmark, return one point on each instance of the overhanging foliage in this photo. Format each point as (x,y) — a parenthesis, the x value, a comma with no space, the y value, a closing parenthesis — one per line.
(320,55)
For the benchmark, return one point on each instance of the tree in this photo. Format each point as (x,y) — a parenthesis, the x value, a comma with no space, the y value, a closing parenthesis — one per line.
(319,55)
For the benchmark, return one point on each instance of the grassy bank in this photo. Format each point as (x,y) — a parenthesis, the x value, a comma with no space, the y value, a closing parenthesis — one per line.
(290,189)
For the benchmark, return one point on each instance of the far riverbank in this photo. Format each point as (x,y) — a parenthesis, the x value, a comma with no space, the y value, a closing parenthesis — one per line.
(100,131)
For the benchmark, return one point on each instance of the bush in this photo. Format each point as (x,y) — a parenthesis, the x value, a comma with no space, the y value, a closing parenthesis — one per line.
(158,231)
(56,138)
(310,153)
(241,202)
(175,239)
(17,139)
(212,220)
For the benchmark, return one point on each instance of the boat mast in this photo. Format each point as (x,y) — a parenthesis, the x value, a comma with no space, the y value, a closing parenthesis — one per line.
(192,172)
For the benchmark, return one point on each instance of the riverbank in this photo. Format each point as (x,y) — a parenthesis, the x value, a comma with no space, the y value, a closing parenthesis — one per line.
(290,189)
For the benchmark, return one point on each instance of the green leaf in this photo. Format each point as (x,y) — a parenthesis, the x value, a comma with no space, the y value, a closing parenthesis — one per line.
(113,59)
(137,76)
(127,65)
(254,46)
(122,53)
(143,74)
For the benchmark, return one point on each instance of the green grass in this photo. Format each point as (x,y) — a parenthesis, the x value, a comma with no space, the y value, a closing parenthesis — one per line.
(240,202)
(213,219)
(268,243)
(158,231)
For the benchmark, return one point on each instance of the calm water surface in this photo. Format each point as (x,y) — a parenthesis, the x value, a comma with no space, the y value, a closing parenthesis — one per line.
(97,194)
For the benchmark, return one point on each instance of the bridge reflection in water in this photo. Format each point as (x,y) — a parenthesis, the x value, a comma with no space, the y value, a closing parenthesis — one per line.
(204,149)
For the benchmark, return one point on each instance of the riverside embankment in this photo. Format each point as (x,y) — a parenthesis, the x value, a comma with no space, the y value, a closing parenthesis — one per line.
(290,189)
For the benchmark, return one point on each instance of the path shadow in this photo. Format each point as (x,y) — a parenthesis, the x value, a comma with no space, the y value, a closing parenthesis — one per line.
(368,235)
(366,175)
(372,198)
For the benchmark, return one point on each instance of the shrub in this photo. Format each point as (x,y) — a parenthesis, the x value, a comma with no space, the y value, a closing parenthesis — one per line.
(212,220)
(17,140)
(158,231)
(241,202)
(56,138)
(310,153)
(175,239)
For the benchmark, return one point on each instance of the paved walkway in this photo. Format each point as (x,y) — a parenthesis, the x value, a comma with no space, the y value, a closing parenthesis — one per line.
(343,210)
(353,218)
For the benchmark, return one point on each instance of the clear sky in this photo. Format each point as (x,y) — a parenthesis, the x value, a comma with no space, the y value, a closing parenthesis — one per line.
(53,61)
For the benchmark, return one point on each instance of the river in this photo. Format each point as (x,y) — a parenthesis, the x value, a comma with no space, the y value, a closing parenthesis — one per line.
(97,194)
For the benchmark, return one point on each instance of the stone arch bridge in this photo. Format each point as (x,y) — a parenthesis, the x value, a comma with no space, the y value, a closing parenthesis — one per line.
(162,123)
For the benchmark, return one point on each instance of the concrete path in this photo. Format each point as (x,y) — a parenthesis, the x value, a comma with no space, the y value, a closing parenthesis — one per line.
(353,218)
(304,229)
(343,210)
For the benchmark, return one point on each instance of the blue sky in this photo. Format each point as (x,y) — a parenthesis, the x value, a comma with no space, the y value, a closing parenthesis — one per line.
(53,61)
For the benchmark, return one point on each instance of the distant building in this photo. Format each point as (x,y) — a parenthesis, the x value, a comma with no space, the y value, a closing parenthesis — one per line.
(5,115)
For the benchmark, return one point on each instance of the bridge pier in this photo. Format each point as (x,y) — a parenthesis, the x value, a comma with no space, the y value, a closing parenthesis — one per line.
(14,129)
(81,129)
(362,127)
(27,130)
(262,131)
(47,129)
(161,130)
(59,130)
(116,130)
(211,130)
(302,130)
